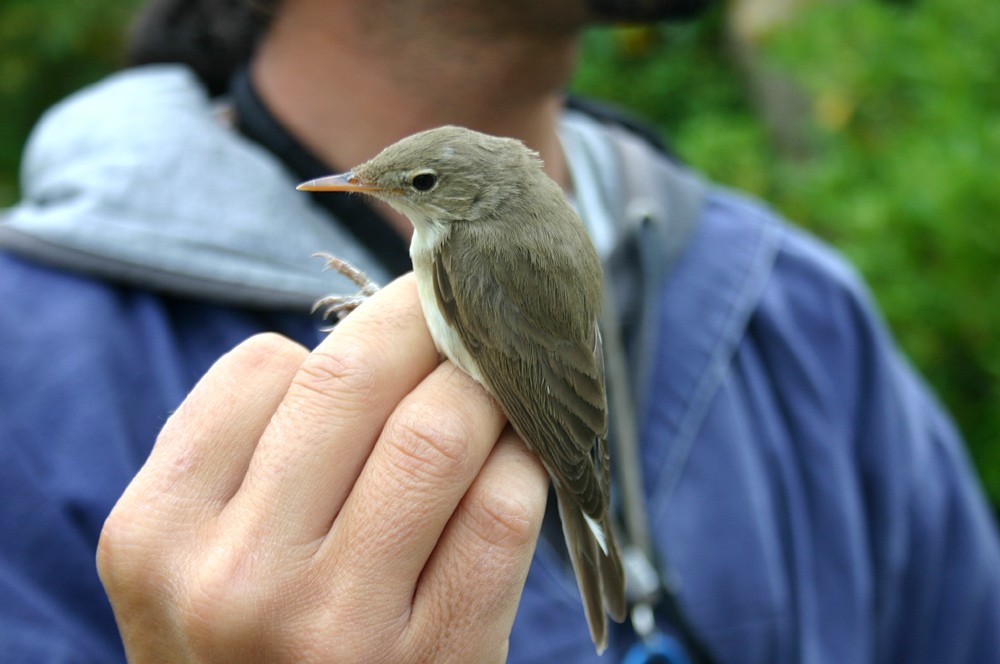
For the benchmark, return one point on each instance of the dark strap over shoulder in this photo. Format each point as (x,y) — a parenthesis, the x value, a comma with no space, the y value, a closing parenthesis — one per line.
(663,203)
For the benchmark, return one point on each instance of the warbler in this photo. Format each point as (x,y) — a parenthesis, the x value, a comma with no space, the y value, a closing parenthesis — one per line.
(511,288)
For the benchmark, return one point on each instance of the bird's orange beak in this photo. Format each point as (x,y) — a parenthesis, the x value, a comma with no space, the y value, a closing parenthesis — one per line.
(343,182)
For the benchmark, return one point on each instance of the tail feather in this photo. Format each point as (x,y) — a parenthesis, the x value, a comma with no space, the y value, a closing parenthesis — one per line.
(598,568)
(613,580)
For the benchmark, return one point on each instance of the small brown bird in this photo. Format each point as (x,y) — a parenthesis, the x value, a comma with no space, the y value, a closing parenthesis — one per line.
(511,288)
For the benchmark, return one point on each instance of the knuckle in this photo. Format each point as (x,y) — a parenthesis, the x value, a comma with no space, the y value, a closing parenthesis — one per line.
(428,441)
(125,561)
(335,375)
(267,353)
(502,519)
(266,347)
(109,546)
(219,602)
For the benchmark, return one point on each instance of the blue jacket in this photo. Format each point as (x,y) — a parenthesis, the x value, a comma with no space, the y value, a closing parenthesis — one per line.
(813,501)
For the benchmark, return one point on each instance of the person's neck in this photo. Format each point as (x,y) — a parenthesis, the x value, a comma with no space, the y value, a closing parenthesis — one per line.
(347,90)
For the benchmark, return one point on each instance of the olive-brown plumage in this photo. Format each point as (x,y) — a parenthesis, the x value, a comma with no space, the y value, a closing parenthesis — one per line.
(511,289)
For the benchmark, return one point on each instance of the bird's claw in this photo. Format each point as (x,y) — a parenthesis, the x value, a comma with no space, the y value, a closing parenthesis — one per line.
(341,305)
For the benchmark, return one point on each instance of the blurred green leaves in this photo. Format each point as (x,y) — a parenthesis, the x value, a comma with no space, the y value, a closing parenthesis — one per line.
(906,182)
(47,50)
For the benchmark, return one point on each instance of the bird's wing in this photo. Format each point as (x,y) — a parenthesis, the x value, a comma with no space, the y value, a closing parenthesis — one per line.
(541,362)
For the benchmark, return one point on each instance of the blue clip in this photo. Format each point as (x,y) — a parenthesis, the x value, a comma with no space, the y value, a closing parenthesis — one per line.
(657,649)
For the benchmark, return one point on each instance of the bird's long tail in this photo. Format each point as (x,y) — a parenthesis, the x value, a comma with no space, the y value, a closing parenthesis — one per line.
(598,567)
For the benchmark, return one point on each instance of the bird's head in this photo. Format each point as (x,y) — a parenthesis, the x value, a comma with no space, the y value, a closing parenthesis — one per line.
(442,175)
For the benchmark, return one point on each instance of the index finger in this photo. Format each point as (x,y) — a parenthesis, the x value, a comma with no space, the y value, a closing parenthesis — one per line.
(204,448)
(337,403)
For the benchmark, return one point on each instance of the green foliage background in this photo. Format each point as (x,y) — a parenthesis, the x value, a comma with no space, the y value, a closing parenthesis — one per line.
(901,173)
(47,50)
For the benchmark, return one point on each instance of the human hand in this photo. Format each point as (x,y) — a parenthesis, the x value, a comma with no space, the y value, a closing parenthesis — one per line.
(359,503)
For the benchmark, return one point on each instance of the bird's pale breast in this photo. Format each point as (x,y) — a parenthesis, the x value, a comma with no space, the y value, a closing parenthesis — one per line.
(446,338)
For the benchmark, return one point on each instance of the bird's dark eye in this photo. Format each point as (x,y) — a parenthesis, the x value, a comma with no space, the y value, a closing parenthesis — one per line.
(423,181)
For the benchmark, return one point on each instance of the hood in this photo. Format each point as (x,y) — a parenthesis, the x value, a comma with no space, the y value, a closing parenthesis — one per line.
(117,179)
